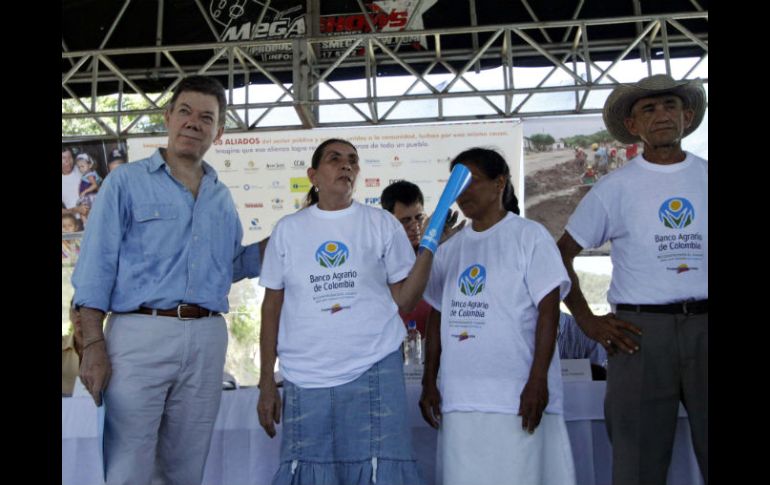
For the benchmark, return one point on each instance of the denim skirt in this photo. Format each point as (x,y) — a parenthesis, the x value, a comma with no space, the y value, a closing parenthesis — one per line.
(356,433)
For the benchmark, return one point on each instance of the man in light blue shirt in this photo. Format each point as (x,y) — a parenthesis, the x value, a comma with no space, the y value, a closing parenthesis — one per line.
(162,248)
(574,344)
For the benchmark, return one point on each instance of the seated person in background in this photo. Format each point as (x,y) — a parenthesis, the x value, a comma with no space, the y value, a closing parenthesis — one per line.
(71,350)
(574,344)
(405,201)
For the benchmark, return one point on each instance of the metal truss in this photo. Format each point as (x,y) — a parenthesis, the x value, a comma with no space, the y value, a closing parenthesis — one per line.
(661,36)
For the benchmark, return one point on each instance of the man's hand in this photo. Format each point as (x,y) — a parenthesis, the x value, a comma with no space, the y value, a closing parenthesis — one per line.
(269,407)
(451,227)
(95,369)
(532,403)
(430,405)
(605,329)
(610,332)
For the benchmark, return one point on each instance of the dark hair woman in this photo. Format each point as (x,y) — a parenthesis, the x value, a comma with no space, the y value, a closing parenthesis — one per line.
(495,289)
(336,274)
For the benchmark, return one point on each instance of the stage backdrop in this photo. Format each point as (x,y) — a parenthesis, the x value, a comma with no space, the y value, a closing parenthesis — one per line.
(266,171)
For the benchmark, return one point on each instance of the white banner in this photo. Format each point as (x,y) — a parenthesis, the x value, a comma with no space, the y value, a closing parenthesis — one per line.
(266,172)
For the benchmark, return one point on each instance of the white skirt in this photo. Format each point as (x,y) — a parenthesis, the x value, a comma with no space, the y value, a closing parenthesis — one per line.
(492,449)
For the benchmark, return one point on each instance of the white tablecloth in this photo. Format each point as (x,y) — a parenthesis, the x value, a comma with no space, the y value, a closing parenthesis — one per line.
(242,454)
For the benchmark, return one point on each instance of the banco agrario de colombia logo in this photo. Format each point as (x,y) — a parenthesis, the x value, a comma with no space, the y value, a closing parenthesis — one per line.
(332,254)
(676,213)
(472,280)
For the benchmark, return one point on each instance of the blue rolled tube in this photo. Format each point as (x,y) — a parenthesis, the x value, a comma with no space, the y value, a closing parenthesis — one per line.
(458,181)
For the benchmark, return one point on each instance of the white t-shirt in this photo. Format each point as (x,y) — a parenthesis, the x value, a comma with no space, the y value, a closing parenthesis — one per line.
(338,316)
(657,219)
(487,286)
(70,185)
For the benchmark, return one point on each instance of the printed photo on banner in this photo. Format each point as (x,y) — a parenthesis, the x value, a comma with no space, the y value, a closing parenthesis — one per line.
(70,250)
(84,166)
(565,156)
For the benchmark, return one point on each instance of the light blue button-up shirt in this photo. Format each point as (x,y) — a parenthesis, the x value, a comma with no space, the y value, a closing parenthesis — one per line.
(150,243)
(574,344)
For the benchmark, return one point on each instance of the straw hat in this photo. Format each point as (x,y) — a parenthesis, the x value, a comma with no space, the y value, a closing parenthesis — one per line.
(618,105)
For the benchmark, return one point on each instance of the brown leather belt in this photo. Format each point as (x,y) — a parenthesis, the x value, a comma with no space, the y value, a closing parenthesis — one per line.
(183,312)
(681,308)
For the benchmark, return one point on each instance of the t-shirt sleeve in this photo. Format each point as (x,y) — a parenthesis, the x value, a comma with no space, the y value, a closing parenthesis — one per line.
(589,224)
(399,255)
(435,288)
(272,274)
(545,269)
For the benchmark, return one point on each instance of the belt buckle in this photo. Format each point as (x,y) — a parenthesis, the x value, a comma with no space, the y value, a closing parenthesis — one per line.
(179,312)
(685,310)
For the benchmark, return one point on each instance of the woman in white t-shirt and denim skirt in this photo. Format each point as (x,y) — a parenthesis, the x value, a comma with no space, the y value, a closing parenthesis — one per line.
(336,274)
(495,289)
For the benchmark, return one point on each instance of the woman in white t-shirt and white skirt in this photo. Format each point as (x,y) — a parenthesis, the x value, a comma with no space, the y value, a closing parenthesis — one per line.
(495,289)
(336,274)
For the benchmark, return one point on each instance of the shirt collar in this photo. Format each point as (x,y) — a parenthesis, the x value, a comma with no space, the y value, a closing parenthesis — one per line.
(156,162)
(208,171)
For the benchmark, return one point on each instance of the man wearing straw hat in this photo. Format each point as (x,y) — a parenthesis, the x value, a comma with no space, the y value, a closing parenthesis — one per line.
(654,210)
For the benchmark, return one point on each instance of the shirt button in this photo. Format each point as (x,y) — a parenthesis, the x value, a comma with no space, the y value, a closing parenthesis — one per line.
(157,214)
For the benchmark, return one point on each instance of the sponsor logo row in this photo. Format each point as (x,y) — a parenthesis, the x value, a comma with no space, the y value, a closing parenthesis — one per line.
(296,184)
(230,165)
(302,184)
(251,165)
